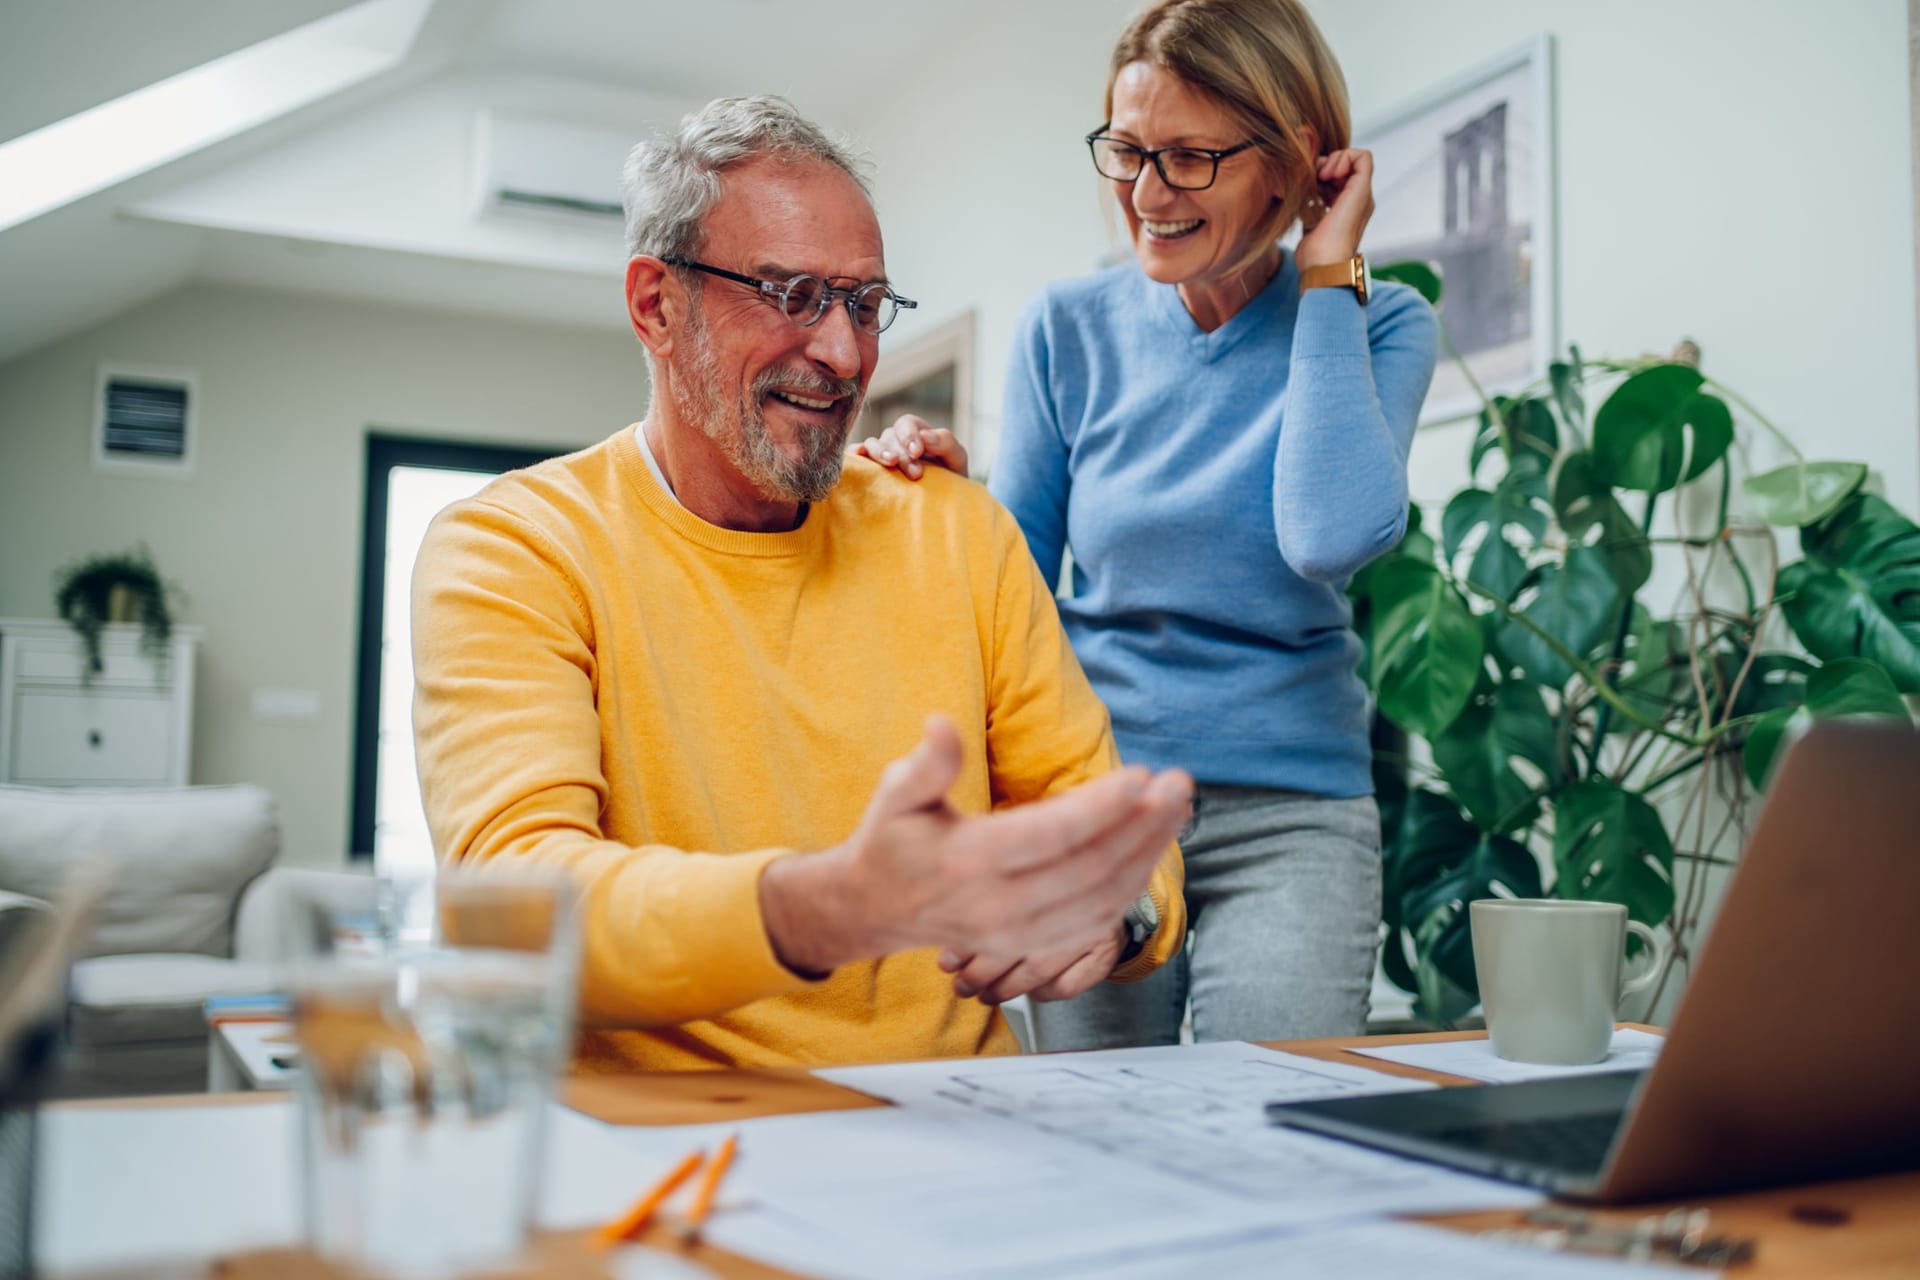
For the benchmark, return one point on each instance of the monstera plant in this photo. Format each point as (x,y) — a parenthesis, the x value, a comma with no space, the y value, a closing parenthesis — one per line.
(1543,704)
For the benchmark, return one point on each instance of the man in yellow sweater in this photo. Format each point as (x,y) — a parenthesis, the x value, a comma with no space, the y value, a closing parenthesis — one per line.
(813,744)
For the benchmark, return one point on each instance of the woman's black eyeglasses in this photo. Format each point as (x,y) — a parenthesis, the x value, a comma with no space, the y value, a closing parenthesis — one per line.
(804,299)
(1184,168)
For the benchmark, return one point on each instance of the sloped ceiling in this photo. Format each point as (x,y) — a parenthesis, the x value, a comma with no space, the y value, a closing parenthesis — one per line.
(61,58)
(368,193)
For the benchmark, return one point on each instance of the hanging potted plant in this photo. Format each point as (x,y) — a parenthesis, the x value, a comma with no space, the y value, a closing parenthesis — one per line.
(123,587)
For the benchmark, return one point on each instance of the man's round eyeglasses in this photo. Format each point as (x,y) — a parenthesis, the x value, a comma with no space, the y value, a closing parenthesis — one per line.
(804,299)
(1184,168)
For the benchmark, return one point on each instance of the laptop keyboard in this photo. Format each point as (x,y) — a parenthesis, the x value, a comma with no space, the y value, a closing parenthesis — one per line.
(1574,1144)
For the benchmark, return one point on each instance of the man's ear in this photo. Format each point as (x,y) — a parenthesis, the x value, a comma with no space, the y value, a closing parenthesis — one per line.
(655,304)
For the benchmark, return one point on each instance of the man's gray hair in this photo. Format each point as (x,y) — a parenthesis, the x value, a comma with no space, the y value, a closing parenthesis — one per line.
(672,182)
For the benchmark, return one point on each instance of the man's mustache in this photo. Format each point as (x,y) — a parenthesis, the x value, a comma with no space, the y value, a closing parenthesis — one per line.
(808,382)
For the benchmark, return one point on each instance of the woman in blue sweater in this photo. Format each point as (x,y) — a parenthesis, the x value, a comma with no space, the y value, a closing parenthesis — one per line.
(1218,431)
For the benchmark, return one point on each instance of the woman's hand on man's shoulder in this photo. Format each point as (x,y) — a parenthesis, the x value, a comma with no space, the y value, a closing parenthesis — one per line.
(913,444)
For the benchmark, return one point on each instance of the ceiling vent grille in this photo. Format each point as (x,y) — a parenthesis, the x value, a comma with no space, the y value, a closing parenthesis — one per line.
(144,418)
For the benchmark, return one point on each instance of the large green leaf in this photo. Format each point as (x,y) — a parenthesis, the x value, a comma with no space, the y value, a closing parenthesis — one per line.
(1427,649)
(1423,276)
(1568,391)
(1441,940)
(1845,687)
(1533,435)
(1575,603)
(1653,675)
(1504,723)
(1609,845)
(1436,862)
(1414,544)
(1658,428)
(1857,594)
(1590,514)
(1474,872)
(1774,680)
(1418,844)
(1802,493)
(1518,501)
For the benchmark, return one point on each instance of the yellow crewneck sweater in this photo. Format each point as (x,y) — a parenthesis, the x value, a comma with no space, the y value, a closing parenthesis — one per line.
(608,683)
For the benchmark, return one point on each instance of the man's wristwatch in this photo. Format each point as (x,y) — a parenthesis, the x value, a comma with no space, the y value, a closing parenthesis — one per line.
(1351,274)
(1142,921)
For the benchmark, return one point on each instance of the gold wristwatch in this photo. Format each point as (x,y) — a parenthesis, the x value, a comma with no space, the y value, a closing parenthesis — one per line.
(1351,274)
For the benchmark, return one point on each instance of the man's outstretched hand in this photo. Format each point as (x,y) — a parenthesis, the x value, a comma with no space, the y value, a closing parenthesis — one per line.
(1043,887)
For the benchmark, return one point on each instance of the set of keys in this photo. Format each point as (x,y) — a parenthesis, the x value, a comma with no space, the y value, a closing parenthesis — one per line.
(1680,1235)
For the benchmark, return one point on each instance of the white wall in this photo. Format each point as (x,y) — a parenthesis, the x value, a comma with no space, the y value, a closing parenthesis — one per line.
(264,537)
(1737,171)
(1734,171)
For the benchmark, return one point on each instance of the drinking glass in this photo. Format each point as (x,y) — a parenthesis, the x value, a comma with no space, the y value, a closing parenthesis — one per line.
(433,1017)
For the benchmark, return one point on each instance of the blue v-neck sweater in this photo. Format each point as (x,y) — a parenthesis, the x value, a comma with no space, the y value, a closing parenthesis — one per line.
(1217,491)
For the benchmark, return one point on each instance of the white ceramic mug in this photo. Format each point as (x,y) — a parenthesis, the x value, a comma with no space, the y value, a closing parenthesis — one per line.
(1550,975)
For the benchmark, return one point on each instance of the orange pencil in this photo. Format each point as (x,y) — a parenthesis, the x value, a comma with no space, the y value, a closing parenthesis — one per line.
(703,1201)
(643,1210)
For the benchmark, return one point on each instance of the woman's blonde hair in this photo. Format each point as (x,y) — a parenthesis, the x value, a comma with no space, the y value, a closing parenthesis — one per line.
(1266,63)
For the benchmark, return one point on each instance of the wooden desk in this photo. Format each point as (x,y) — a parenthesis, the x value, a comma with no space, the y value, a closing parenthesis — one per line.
(1864,1229)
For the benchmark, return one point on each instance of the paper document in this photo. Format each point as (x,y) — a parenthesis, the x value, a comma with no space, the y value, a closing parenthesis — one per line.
(1004,1165)
(1630,1050)
(1371,1251)
(1197,1111)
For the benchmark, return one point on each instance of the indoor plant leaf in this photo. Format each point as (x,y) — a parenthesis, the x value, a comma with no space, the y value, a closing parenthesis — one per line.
(1774,680)
(1585,503)
(1505,722)
(1422,276)
(1568,393)
(1414,544)
(1857,594)
(1803,493)
(1849,687)
(1427,649)
(1658,428)
(1575,603)
(1653,673)
(1438,914)
(1419,844)
(1609,845)
(1498,566)
(1440,941)
(1517,501)
(1535,436)
(1435,863)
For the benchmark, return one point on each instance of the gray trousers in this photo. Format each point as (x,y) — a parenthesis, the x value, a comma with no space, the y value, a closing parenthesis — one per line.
(1283,909)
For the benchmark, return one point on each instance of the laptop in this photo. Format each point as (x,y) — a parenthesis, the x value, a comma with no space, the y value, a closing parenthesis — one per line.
(1795,1052)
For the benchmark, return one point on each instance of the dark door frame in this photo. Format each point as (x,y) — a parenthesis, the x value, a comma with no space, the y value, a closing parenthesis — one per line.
(385,451)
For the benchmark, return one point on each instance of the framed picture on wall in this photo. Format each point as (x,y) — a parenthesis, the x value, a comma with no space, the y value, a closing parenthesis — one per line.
(1463,179)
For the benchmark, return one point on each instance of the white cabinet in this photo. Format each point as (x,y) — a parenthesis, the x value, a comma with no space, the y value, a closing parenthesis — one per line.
(130,725)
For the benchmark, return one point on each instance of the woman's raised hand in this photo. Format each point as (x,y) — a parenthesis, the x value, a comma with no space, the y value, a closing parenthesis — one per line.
(1346,187)
(912,444)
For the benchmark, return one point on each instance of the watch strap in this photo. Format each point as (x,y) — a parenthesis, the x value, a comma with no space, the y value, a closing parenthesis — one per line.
(1142,920)
(1351,274)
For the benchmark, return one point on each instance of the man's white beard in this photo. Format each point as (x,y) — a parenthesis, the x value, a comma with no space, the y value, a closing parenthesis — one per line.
(742,433)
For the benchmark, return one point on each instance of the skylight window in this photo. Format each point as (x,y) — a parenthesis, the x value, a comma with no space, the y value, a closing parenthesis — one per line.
(118,140)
